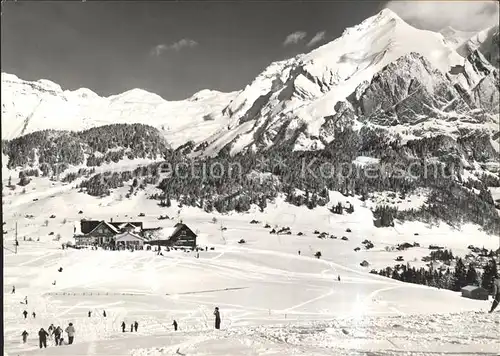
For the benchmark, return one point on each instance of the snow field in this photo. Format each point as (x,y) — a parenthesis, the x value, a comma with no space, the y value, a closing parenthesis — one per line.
(266,292)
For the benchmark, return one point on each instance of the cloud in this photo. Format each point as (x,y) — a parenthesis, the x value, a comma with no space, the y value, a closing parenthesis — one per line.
(294,38)
(318,37)
(435,15)
(176,46)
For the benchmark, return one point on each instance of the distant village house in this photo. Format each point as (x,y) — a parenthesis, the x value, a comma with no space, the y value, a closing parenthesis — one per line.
(475,292)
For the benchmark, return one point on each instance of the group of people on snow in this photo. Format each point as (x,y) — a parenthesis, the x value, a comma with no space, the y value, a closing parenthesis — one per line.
(133,326)
(52,332)
(25,313)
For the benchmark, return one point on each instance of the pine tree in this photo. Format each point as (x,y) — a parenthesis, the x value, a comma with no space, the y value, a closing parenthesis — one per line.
(490,271)
(459,276)
(471,277)
(263,203)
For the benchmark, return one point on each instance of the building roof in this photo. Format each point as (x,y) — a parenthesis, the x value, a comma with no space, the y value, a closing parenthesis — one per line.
(111,227)
(167,233)
(121,224)
(472,288)
(84,227)
(87,226)
(128,236)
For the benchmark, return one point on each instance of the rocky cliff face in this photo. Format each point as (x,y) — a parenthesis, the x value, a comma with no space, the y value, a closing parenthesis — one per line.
(487,42)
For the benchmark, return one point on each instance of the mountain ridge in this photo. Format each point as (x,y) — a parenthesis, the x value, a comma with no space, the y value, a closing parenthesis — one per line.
(289,99)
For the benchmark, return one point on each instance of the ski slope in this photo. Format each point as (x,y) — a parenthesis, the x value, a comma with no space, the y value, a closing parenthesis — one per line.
(272,301)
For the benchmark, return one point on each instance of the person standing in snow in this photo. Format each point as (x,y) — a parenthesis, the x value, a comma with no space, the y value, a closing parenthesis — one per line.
(42,338)
(70,330)
(338,277)
(217,318)
(136,325)
(26,300)
(90,313)
(175,325)
(25,313)
(496,293)
(25,336)
(34,315)
(13,289)
(51,329)
(104,313)
(131,328)
(57,335)
(123,326)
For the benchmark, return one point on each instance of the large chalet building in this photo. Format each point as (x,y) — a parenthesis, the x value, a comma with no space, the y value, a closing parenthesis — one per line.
(131,235)
(180,236)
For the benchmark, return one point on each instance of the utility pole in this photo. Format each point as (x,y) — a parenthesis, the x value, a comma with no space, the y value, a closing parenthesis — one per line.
(222,233)
(16,242)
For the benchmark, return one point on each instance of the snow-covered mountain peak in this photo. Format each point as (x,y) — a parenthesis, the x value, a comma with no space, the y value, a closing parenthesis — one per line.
(383,18)
(33,106)
(138,96)
(205,94)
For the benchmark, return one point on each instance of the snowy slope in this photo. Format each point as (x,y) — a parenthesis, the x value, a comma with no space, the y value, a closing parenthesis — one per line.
(32,106)
(455,38)
(270,297)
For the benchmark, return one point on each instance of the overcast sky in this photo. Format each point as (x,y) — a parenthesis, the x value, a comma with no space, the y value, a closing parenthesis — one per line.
(173,49)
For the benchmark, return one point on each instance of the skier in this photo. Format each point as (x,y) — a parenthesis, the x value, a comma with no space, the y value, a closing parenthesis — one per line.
(57,335)
(131,328)
(123,326)
(136,325)
(217,318)
(60,269)
(26,300)
(338,277)
(496,293)
(34,315)
(25,313)
(13,289)
(90,313)
(42,338)
(25,336)
(70,330)
(175,325)
(104,313)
